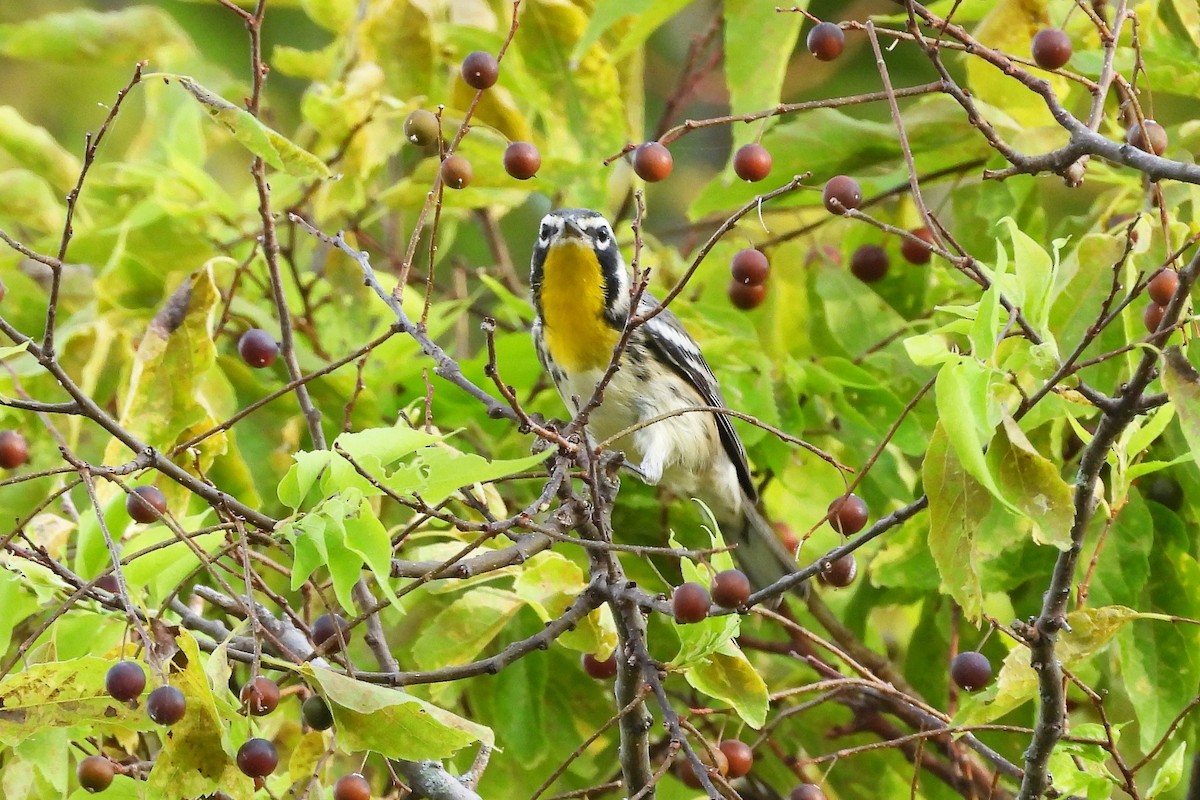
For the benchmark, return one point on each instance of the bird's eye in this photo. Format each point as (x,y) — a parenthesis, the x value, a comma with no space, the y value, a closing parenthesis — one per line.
(547,229)
(602,235)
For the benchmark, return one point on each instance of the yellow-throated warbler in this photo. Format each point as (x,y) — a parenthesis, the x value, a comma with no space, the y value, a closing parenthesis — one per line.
(581,291)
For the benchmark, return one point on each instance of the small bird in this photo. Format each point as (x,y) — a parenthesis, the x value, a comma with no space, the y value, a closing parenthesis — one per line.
(580,289)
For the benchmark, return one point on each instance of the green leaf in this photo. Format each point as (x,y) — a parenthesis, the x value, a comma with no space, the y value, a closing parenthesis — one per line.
(582,98)
(957,506)
(761,45)
(378,447)
(164,568)
(1078,777)
(1091,631)
(391,722)
(264,142)
(61,694)
(1034,271)
(906,563)
(367,536)
(1143,431)
(1182,383)
(1093,628)
(26,198)
(464,628)
(1160,664)
(342,532)
(648,16)
(1032,483)
(699,640)
(307,535)
(446,471)
(549,583)
(1169,774)
(345,565)
(34,148)
(17,601)
(1124,567)
(303,763)
(435,471)
(83,36)
(858,319)
(1182,19)
(398,36)
(333,15)
(929,349)
(1082,769)
(175,388)
(728,676)
(300,478)
(46,751)
(521,703)
(196,758)
(314,65)
(964,410)
(5,352)
(986,327)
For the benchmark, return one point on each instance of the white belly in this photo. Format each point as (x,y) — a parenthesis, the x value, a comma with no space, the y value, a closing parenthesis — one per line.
(682,452)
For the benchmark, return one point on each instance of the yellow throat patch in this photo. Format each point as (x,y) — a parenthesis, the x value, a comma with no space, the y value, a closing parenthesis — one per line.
(572,298)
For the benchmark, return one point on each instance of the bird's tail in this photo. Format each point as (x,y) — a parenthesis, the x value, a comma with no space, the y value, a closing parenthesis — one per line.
(760,553)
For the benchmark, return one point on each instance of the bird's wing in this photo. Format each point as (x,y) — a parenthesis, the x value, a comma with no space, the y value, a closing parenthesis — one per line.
(666,335)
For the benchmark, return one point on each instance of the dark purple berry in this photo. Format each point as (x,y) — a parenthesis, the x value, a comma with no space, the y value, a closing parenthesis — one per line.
(95,773)
(915,252)
(145,504)
(730,588)
(752,162)
(841,194)
(1162,286)
(869,263)
(258,348)
(325,633)
(848,514)
(599,669)
(652,162)
(690,602)
(1153,316)
(125,681)
(522,160)
(840,572)
(825,41)
(257,758)
(260,696)
(746,296)
(971,671)
(480,70)
(750,267)
(1156,134)
(1051,48)
(352,787)
(14,450)
(739,755)
(457,172)
(166,705)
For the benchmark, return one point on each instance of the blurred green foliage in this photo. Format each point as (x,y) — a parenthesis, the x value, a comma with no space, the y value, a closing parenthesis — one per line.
(170,210)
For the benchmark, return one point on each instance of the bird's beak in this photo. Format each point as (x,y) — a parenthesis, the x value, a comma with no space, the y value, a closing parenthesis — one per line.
(572,231)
